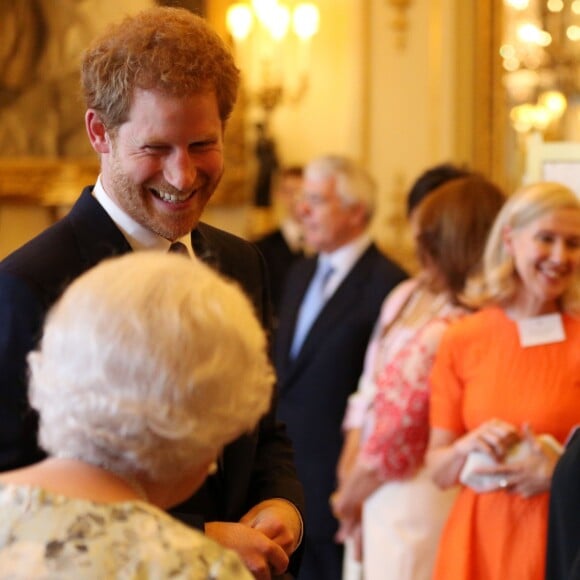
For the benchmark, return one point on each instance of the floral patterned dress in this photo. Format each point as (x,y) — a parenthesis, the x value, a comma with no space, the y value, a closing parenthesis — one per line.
(45,536)
(402,520)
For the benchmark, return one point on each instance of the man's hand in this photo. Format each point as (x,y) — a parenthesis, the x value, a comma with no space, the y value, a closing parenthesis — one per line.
(279,520)
(262,555)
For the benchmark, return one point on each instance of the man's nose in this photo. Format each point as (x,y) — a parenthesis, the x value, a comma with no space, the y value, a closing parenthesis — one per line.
(302,207)
(180,171)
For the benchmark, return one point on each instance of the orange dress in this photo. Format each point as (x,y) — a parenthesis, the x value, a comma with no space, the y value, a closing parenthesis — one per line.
(481,372)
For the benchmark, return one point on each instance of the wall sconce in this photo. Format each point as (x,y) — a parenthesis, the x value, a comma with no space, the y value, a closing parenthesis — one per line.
(272,46)
(272,43)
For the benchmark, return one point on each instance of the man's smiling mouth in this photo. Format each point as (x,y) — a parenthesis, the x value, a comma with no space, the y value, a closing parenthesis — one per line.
(171,197)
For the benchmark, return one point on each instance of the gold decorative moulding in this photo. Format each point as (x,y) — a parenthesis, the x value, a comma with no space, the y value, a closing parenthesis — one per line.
(45,181)
(400,22)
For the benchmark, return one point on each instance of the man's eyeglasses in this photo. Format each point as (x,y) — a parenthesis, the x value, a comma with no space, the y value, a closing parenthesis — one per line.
(312,199)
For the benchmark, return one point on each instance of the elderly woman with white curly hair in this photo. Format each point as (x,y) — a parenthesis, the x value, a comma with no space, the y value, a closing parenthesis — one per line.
(137,384)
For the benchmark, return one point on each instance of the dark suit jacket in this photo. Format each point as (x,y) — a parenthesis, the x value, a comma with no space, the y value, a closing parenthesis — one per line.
(315,386)
(279,258)
(563,555)
(256,467)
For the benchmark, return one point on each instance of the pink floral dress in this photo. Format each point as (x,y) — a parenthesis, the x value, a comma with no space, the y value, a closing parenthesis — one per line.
(402,520)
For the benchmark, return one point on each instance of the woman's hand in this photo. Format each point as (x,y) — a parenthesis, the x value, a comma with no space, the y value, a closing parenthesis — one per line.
(347,501)
(447,452)
(352,531)
(494,437)
(532,474)
(350,526)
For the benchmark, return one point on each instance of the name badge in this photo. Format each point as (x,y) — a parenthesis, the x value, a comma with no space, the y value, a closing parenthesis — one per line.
(545,329)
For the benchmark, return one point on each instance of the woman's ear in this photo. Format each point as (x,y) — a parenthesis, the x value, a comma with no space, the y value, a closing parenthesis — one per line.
(97,132)
(507,237)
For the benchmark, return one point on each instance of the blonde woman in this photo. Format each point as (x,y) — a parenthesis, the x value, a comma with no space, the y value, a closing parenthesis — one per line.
(504,390)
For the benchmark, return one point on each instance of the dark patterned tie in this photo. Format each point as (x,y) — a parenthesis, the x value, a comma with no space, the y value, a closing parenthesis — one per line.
(178,248)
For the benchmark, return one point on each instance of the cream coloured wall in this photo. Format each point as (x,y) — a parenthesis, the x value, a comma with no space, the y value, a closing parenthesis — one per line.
(398,110)
(418,98)
(323,121)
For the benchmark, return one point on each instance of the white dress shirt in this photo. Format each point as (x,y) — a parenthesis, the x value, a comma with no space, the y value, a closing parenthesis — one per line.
(139,237)
(343,260)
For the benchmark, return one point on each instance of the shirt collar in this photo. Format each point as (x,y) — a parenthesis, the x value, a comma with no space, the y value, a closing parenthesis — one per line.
(345,257)
(139,237)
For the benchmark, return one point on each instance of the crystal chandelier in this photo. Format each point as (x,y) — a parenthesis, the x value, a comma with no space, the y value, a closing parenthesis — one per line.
(541,61)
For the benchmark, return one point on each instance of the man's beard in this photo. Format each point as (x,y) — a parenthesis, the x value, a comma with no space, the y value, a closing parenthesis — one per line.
(136,201)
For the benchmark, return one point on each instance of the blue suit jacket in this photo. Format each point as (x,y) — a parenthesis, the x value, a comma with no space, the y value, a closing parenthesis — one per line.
(256,467)
(315,386)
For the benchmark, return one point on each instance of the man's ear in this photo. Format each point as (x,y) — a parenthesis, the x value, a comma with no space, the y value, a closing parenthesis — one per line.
(97,132)
(359,215)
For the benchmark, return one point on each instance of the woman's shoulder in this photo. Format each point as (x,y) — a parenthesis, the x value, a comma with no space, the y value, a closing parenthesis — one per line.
(478,323)
(401,293)
(186,549)
(433,329)
(76,535)
(397,297)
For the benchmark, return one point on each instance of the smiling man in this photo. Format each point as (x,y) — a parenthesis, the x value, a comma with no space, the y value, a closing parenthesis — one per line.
(159,88)
(163,163)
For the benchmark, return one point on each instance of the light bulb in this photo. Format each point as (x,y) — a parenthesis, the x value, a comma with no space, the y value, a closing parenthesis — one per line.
(553,101)
(280,21)
(306,18)
(265,11)
(239,20)
(518,4)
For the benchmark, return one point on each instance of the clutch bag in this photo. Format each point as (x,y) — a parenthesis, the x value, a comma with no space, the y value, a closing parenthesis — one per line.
(483,482)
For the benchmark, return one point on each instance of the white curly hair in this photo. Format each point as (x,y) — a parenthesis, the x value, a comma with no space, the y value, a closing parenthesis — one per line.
(354,185)
(149,364)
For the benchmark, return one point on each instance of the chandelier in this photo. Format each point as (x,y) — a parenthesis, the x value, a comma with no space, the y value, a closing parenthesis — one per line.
(541,61)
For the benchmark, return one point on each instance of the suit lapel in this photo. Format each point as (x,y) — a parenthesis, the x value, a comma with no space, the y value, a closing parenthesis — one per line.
(203,248)
(294,294)
(97,235)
